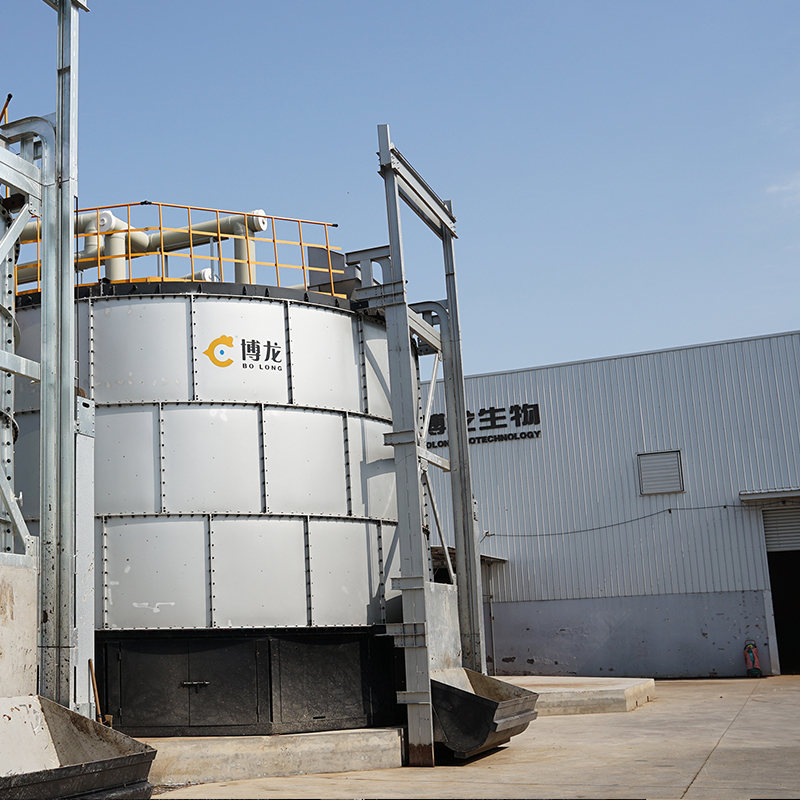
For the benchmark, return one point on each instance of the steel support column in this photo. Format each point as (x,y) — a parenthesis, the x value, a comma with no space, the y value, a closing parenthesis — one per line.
(468,564)
(413,553)
(470,602)
(67,143)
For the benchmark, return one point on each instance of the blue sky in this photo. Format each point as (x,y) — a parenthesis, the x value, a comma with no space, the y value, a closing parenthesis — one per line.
(626,175)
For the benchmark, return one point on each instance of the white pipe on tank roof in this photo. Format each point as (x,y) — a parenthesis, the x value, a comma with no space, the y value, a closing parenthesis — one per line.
(179,239)
(118,241)
(82,223)
(115,263)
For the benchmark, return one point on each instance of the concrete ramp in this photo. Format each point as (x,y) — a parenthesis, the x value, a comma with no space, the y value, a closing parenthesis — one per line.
(48,751)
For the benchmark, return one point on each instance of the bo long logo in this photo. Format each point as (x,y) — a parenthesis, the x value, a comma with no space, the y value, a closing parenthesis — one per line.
(250,353)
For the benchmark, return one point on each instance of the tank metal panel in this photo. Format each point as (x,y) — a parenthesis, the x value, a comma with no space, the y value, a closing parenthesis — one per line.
(26,393)
(212,458)
(141,350)
(156,573)
(376,360)
(127,474)
(304,454)
(248,362)
(390,553)
(372,480)
(83,342)
(26,467)
(258,573)
(230,463)
(345,573)
(326,367)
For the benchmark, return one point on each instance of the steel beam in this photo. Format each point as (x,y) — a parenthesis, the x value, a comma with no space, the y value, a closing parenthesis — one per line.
(19,173)
(426,332)
(14,231)
(422,200)
(24,367)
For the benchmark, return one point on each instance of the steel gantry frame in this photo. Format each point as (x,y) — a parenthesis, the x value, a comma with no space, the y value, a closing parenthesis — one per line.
(415,634)
(50,192)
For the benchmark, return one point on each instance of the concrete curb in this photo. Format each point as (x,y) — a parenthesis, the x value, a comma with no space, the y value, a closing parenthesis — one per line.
(209,759)
(558,696)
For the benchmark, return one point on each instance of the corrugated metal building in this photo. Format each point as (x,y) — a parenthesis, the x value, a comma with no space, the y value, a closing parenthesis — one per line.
(647,508)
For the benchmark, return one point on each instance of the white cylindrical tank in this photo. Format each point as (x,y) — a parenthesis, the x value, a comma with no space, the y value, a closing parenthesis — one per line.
(241,479)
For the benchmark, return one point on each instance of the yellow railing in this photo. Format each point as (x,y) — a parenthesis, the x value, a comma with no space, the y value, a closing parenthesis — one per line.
(147,241)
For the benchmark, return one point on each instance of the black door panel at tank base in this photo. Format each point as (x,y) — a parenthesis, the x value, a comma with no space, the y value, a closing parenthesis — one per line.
(186,683)
(212,684)
(318,683)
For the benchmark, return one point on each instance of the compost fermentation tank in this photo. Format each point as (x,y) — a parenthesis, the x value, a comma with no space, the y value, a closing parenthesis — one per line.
(244,496)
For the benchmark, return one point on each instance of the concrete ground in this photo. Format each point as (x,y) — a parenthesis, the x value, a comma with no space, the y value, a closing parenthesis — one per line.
(721,739)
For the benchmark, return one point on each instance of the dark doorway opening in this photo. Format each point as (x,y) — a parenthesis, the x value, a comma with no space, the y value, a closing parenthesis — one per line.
(784,578)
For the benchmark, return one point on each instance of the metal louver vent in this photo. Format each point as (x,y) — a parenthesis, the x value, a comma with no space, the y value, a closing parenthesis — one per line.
(782,528)
(660,473)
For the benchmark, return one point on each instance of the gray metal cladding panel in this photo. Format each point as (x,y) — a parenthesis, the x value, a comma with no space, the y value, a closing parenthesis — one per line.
(240,350)
(157,573)
(26,463)
(26,392)
(326,359)
(142,350)
(212,459)
(376,358)
(305,462)
(372,472)
(565,508)
(345,573)
(258,573)
(127,464)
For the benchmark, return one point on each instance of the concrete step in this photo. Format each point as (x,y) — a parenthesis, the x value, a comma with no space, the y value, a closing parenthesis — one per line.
(208,759)
(573,695)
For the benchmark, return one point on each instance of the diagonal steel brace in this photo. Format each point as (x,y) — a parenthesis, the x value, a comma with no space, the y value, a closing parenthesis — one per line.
(14,232)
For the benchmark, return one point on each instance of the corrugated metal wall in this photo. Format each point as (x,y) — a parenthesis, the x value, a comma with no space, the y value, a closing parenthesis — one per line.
(565,508)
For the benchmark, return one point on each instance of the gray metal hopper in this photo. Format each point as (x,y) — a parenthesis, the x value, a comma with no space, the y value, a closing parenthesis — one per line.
(473,712)
(48,751)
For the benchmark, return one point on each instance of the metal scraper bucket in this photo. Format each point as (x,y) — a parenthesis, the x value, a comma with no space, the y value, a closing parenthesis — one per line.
(48,751)
(473,712)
